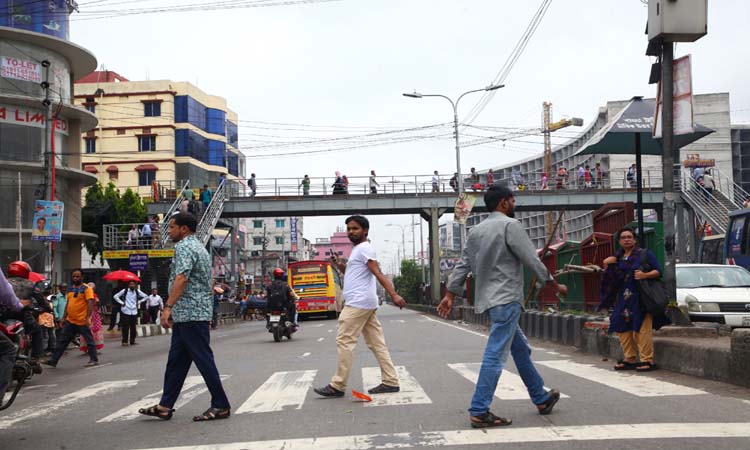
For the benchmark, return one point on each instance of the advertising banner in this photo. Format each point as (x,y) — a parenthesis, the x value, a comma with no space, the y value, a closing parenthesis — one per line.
(293,231)
(125,254)
(20,69)
(48,221)
(51,17)
(683,116)
(464,205)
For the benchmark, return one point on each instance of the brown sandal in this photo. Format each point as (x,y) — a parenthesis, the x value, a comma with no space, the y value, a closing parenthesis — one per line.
(488,419)
(213,414)
(154,411)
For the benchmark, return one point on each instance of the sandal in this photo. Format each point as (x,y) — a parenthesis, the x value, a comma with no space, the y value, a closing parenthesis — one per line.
(488,419)
(212,414)
(645,367)
(154,411)
(625,365)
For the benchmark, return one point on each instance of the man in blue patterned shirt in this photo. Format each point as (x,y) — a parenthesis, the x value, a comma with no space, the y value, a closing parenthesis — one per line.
(190,307)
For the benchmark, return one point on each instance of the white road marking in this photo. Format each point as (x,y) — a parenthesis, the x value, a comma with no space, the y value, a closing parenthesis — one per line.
(317,325)
(131,411)
(49,407)
(631,383)
(456,327)
(510,386)
(185,397)
(330,331)
(505,435)
(98,366)
(398,321)
(8,394)
(321,339)
(282,390)
(305,355)
(411,393)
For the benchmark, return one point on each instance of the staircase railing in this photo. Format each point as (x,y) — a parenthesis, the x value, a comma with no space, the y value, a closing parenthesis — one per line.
(704,203)
(212,214)
(729,188)
(164,226)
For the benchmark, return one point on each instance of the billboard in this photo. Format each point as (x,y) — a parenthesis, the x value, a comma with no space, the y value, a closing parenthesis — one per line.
(48,221)
(49,17)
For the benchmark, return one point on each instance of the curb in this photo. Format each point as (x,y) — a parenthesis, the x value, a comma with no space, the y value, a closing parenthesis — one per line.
(157,330)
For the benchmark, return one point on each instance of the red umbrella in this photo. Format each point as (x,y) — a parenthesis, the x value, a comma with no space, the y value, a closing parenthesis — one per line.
(36,277)
(122,275)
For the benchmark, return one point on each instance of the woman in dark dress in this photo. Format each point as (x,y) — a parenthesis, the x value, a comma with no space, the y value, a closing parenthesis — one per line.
(620,292)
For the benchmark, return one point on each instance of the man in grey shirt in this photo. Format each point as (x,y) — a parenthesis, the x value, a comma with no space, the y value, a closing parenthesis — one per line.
(494,252)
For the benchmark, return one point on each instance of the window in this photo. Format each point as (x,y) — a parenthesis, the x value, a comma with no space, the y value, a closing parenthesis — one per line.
(146,143)
(279,240)
(257,240)
(90,145)
(257,224)
(280,223)
(152,109)
(146,177)
(120,131)
(90,105)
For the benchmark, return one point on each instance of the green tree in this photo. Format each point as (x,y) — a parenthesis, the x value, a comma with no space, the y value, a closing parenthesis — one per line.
(104,206)
(407,284)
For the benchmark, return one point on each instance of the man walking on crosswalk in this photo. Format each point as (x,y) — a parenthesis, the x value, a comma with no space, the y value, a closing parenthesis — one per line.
(358,316)
(494,252)
(190,307)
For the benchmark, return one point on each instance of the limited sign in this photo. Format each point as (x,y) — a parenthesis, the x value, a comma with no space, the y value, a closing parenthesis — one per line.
(29,117)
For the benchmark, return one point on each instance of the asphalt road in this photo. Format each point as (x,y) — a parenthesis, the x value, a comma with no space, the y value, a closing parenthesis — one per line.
(269,385)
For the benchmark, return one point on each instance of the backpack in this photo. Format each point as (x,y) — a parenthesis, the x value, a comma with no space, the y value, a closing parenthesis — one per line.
(277,295)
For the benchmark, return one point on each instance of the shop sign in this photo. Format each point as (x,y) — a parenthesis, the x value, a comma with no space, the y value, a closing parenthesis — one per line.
(20,69)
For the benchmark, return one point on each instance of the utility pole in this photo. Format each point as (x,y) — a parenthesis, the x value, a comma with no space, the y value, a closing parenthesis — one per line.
(668,165)
(546,120)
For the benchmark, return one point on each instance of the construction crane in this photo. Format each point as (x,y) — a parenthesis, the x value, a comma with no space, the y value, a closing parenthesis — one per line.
(547,128)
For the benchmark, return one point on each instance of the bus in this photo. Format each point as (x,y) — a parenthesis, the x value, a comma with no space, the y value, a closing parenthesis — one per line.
(318,286)
(736,248)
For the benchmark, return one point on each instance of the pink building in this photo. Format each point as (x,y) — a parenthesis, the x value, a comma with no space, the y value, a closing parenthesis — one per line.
(339,242)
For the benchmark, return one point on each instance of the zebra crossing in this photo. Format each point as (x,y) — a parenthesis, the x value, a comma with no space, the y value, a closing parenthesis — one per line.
(289,389)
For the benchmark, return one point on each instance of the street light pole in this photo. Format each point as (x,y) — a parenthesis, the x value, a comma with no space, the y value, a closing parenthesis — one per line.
(462,226)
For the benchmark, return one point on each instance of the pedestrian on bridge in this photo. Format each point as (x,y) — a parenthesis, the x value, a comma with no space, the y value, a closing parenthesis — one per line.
(305,185)
(189,305)
(494,253)
(252,184)
(374,185)
(358,316)
(435,181)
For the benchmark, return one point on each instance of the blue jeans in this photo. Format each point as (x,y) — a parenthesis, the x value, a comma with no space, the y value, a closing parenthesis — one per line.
(505,336)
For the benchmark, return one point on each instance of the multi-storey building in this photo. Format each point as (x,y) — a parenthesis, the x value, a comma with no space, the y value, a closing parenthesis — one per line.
(338,242)
(37,116)
(155,135)
(274,242)
(449,238)
(741,155)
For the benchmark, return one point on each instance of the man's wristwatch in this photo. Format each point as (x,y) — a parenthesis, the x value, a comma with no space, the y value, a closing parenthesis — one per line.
(167,306)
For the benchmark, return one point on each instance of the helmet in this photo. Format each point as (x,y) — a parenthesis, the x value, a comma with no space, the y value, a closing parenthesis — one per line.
(44,287)
(20,269)
(278,272)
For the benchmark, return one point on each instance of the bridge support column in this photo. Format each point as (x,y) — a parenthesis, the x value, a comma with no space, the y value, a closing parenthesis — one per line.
(693,238)
(682,237)
(432,216)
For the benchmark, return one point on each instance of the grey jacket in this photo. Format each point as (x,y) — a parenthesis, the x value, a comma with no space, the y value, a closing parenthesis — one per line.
(494,253)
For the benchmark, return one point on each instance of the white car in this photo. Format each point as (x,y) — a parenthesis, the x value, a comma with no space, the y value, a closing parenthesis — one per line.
(715,293)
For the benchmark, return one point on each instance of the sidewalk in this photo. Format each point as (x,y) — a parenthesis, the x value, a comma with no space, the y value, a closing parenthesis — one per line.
(146,330)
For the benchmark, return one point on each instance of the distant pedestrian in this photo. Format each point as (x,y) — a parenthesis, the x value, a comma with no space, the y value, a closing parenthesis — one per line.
(435,181)
(474,177)
(77,320)
(189,307)
(561,179)
(453,182)
(708,184)
(305,185)
(253,185)
(490,178)
(581,174)
(155,304)
(188,194)
(146,235)
(206,196)
(544,182)
(130,300)
(587,178)
(359,313)
(631,176)
(338,185)
(59,303)
(222,179)
(153,222)
(97,330)
(598,175)
(345,180)
(494,252)
(132,241)
(374,185)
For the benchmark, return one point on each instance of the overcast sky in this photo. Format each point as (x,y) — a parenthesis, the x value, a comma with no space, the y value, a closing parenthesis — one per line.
(345,64)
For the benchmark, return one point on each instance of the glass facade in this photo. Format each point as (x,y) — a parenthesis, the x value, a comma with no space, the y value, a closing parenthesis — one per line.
(232,134)
(209,151)
(216,121)
(211,120)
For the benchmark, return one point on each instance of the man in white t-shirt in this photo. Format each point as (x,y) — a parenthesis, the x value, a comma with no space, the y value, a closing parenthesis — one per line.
(358,316)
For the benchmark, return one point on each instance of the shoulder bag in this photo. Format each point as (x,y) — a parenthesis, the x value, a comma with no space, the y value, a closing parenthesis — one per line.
(653,294)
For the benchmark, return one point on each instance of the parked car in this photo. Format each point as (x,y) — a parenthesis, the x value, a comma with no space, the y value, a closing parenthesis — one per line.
(715,293)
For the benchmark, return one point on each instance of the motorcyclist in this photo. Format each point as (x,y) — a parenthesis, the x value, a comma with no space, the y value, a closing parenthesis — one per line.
(281,296)
(34,302)
(9,305)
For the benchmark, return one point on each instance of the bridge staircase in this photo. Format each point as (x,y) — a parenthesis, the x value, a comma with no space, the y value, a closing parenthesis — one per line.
(164,226)
(212,214)
(713,207)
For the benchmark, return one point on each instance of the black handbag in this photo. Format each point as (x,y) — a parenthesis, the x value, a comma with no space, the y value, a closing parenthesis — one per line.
(653,293)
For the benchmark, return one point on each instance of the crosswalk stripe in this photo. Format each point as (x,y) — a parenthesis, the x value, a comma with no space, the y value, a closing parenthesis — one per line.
(629,382)
(510,386)
(282,390)
(131,411)
(49,407)
(497,436)
(410,393)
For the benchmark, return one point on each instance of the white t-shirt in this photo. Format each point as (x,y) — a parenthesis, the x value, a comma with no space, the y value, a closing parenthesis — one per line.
(359,282)
(155,300)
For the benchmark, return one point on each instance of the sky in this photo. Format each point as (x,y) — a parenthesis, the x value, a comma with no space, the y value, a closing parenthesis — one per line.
(338,68)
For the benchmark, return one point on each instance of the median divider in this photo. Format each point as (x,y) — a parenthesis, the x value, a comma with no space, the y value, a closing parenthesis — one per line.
(154,329)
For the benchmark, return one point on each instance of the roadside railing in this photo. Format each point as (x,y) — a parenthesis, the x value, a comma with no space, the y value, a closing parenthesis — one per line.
(132,236)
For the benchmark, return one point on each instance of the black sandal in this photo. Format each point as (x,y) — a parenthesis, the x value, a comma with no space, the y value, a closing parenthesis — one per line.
(645,367)
(212,414)
(488,419)
(154,411)
(625,365)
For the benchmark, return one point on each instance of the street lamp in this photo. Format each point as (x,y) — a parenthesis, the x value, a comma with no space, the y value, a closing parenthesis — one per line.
(403,238)
(455,133)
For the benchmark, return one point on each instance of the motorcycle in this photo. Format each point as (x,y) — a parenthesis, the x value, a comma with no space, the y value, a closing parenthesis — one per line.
(23,370)
(278,325)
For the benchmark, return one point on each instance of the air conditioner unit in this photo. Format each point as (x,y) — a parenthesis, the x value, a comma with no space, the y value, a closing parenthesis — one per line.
(677,20)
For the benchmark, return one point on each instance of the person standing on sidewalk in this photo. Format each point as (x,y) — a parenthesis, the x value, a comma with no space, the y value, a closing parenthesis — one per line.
(358,316)
(155,304)
(129,305)
(77,320)
(115,316)
(189,307)
(494,253)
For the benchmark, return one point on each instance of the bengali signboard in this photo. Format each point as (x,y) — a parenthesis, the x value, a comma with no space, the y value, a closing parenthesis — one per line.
(48,221)
(137,261)
(125,254)
(293,231)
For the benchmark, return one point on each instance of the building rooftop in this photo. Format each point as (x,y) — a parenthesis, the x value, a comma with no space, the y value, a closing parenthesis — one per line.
(102,76)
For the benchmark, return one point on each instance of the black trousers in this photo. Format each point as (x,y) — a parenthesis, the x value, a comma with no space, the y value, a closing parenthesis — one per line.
(153,313)
(191,344)
(128,328)
(69,331)
(115,317)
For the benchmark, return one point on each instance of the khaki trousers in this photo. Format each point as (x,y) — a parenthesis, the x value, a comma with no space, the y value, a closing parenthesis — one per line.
(352,323)
(643,341)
